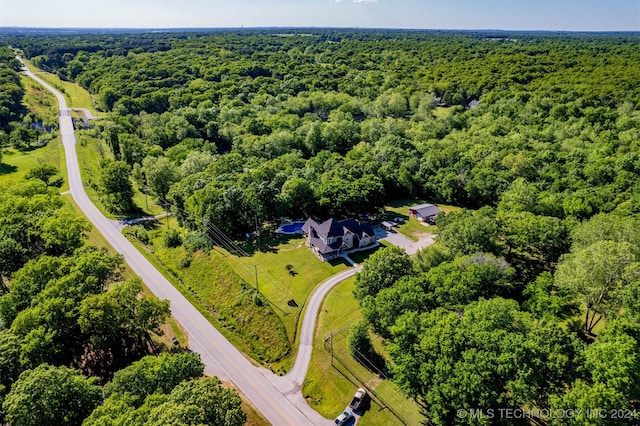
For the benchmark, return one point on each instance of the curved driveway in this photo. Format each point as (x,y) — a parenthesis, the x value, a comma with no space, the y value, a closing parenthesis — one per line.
(277,398)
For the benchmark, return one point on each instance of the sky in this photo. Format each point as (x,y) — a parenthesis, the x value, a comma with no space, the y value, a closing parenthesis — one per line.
(556,15)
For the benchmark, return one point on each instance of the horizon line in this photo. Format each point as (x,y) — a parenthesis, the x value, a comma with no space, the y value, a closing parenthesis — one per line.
(196,28)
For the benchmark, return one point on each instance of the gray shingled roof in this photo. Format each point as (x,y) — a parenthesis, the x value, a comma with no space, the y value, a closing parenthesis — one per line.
(425,210)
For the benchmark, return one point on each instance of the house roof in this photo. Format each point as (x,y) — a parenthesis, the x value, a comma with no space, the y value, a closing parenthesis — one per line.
(351,225)
(329,228)
(323,247)
(366,228)
(310,223)
(333,228)
(425,210)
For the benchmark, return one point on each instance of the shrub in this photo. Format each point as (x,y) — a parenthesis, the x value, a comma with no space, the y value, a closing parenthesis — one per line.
(172,239)
(142,235)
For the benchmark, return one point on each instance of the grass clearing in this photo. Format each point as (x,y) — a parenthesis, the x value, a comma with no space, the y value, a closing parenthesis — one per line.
(442,112)
(40,102)
(76,96)
(329,388)
(15,164)
(286,271)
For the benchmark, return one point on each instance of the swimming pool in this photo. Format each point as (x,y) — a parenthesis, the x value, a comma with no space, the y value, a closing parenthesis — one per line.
(291,228)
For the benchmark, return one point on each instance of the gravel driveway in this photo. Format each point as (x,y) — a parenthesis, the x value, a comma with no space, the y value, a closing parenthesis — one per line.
(399,240)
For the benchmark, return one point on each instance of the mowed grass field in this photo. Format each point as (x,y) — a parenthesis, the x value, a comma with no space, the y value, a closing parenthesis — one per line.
(286,271)
(332,381)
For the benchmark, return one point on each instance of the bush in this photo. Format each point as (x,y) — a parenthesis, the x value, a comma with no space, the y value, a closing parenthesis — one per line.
(185,262)
(142,235)
(195,241)
(358,340)
(172,239)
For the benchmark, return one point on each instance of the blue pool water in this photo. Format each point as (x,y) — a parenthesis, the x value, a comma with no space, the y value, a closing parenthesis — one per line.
(292,228)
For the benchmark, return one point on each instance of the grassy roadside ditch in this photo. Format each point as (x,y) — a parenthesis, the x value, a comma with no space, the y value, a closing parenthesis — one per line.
(221,295)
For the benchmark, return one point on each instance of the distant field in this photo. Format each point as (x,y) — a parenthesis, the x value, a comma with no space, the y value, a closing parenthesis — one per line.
(15,164)
(328,389)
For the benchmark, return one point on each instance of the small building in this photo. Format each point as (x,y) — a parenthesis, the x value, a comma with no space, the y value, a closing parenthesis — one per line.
(474,103)
(424,212)
(329,239)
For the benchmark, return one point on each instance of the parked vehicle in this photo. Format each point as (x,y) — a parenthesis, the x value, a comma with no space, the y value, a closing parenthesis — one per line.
(343,418)
(358,399)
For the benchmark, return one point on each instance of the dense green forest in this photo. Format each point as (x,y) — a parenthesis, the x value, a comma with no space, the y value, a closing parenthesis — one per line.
(70,324)
(529,298)
(229,127)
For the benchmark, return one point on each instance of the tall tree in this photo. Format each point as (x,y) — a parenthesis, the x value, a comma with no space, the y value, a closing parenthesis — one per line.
(199,402)
(161,173)
(152,374)
(51,396)
(116,185)
(598,275)
(381,270)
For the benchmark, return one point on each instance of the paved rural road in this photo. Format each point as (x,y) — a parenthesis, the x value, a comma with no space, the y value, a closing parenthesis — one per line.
(220,357)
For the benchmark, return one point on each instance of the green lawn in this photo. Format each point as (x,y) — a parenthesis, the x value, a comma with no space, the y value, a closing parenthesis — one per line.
(287,270)
(329,388)
(15,164)
(360,256)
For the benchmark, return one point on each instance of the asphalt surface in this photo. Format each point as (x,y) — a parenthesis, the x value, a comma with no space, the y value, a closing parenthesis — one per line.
(277,398)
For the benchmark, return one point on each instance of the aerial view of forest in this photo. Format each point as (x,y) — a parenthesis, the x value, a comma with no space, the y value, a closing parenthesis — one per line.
(529,298)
